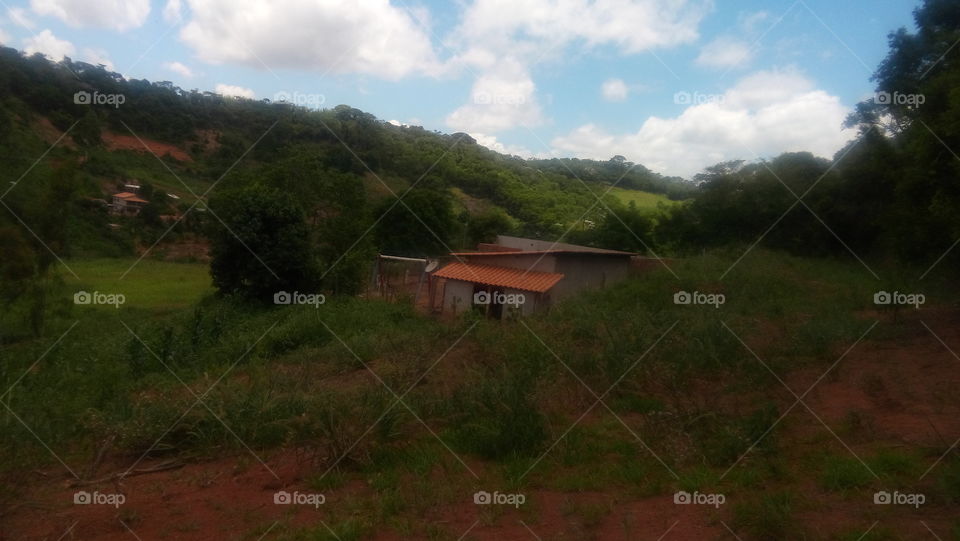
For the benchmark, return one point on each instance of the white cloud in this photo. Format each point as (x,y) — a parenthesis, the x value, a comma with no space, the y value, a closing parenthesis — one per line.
(113,14)
(96,57)
(179,68)
(764,114)
(614,90)
(749,21)
(371,37)
(231,90)
(725,52)
(502,39)
(19,17)
(4,37)
(632,26)
(46,43)
(172,12)
(491,142)
(501,99)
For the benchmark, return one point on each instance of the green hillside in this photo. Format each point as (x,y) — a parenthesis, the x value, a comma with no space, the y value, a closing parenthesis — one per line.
(185,143)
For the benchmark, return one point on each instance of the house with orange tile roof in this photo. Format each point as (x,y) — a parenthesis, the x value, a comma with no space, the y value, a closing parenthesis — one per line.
(127,204)
(517,276)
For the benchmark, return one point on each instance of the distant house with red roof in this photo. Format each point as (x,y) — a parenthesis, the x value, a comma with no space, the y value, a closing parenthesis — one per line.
(127,204)
(518,276)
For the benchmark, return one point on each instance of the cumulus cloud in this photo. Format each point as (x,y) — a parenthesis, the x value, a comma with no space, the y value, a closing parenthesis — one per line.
(764,114)
(236,91)
(725,52)
(113,14)
(371,37)
(4,37)
(614,90)
(502,98)
(500,40)
(492,143)
(48,44)
(178,68)
(632,26)
(172,11)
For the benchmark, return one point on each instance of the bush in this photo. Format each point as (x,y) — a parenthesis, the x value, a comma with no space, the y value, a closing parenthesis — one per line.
(500,420)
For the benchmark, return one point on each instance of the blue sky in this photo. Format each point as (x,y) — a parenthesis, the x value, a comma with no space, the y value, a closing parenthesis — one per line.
(674,84)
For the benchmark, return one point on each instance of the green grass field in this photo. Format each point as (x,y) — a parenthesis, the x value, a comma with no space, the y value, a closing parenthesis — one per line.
(643,200)
(696,381)
(150,284)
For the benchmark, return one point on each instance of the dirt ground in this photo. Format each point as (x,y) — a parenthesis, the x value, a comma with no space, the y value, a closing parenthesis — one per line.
(116,141)
(903,389)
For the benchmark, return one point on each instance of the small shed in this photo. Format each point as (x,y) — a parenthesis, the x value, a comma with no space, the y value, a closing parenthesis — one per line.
(541,271)
(497,291)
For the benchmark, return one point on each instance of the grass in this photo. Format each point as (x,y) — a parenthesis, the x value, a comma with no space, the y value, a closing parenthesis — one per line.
(645,201)
(844,473)
(145,168)
(771,516)
(296,377)
(149,284)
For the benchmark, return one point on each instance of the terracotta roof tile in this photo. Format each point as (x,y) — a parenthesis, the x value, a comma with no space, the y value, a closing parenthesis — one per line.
(584,251)
(492,275)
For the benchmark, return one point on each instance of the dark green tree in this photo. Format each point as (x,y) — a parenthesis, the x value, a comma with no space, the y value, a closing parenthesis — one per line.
(263,244)
(420,225)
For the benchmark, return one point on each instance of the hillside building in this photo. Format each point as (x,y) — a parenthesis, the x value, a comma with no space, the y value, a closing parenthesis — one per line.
(518,276)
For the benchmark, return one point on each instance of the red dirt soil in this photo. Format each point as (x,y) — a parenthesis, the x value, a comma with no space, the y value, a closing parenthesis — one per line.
(232,498)
(114,141)
(50,133)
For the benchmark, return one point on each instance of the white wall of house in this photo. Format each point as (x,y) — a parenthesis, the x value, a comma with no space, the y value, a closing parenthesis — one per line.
(457,296)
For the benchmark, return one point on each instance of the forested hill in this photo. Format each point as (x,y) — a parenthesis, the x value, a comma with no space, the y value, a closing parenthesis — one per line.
(463,189)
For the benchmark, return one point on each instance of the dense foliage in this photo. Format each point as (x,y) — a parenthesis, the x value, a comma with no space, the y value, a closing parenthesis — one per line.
(361,185)
(892,191)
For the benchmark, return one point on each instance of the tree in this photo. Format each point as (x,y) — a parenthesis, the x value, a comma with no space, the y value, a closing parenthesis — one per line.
(420,225)
(263,245)
(917,91)
(485,226)
(625,228)
(336,207)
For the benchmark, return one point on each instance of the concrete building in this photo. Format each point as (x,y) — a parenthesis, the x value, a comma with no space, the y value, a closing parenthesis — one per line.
(127,204)
(538,273)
